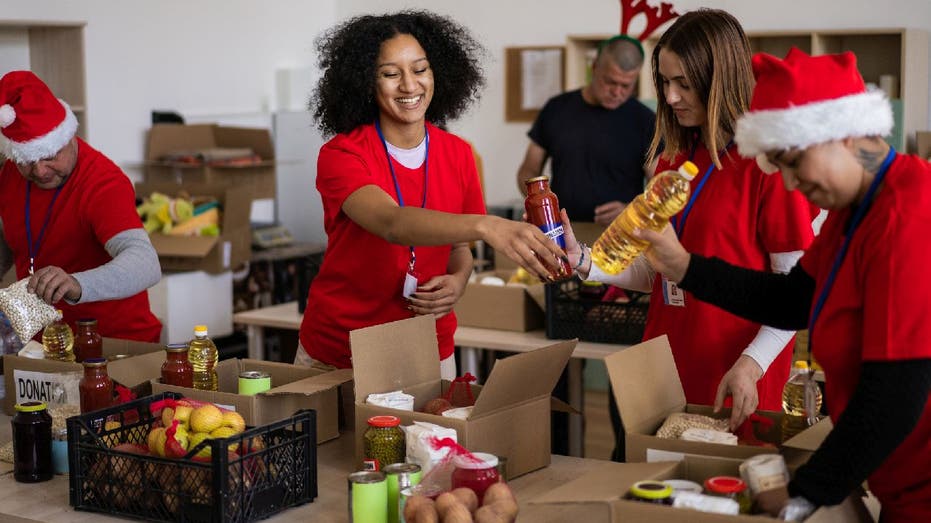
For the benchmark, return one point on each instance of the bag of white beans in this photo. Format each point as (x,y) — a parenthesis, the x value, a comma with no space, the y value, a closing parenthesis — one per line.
(27,313)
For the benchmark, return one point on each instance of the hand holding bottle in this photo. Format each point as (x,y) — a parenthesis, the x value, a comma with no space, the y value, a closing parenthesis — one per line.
(665,254)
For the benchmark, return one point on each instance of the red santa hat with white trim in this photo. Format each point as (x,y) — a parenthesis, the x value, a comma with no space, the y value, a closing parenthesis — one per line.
(34,124)
(806,100)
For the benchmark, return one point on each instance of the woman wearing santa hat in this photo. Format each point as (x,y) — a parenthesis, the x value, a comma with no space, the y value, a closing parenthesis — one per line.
(68,215)
(861,288)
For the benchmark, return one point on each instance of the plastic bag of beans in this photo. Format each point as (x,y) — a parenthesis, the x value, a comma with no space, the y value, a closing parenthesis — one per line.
(27,313)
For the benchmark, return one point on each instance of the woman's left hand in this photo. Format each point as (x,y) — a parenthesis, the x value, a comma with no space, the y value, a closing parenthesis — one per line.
(438,295)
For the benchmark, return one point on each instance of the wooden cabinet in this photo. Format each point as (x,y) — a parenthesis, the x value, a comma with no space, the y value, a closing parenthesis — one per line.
(893,58)
(55,52)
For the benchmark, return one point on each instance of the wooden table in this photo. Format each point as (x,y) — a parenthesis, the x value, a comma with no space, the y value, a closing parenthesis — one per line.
(469,339)
(48,501)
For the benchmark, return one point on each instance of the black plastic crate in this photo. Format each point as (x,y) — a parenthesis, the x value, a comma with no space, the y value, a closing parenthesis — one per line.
(278,472)
(569,314)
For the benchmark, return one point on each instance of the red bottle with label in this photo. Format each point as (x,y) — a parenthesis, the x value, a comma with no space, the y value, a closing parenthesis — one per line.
(87,341)
(96,387)
(542,208)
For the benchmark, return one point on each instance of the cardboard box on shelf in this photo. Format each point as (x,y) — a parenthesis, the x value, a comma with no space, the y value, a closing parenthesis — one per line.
(607,486)
(647,390)
(294,387)
(258,179)
(511,416)
(513,307)
(213,254)
(56,382)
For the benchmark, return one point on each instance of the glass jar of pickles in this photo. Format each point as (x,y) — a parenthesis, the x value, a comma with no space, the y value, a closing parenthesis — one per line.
(383,443)
(730,487)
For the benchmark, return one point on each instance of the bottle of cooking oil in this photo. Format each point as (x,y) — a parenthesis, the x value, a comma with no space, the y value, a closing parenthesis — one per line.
(203,356)
(801,401)
(665,195)
(58,339)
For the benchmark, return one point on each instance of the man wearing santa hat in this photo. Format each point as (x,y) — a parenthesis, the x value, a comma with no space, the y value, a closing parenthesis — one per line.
(68,216)
(861,289)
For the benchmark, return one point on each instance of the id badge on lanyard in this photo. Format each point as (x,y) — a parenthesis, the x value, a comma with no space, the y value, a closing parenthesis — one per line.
(411,277)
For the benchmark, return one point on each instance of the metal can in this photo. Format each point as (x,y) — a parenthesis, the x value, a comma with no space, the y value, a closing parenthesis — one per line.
(368,497)
(400,477)
(252,382)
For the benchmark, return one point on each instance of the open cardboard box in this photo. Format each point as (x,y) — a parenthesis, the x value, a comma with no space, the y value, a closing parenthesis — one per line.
(607,485)
(294,387)
(647,390)
(206,253)
(54,382)
(511,416)
(513,307)
(257,179)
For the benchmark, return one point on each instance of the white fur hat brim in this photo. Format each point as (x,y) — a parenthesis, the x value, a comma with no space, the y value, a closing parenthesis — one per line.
(864,114)
(45,146)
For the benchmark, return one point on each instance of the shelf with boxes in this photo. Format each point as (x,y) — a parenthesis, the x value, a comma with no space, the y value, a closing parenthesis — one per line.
(894,59)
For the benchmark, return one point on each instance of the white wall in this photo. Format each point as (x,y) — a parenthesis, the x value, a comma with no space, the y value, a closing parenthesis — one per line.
(215,60)
(502,23)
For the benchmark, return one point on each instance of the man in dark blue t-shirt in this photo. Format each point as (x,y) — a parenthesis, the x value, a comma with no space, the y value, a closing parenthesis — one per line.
(597,138)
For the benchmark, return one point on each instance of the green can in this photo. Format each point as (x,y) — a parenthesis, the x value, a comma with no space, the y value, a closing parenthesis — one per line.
(368,497)
(400,477)
(252,382)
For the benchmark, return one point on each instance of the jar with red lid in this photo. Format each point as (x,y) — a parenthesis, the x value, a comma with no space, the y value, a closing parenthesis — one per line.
(477,472)
(383,443)
(87,341)
(177,369)
(730,487)
(96,387)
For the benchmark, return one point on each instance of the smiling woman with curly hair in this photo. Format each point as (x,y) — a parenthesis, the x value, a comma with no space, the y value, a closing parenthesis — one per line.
(401,197)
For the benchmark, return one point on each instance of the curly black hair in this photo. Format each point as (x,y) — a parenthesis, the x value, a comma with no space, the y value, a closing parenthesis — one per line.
(345,95)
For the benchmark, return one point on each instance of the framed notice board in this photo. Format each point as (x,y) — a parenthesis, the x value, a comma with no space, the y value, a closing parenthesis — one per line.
(532,76)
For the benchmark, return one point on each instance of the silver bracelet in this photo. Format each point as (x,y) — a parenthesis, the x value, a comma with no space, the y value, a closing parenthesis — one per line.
(582,248)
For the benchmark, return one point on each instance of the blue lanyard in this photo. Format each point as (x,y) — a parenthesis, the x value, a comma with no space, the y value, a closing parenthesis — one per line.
(861,211)
(34,247)
(679,223)
(394,178)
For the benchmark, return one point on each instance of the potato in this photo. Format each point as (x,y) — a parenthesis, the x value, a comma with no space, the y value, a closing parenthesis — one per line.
(437,406)
(444,503)
(467,497)
(425,514)
(506,508)
(487,515)
(457,513)
(497,492)
(413,503)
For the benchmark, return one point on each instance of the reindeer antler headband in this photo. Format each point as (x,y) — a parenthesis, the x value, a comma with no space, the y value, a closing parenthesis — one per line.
(656,17)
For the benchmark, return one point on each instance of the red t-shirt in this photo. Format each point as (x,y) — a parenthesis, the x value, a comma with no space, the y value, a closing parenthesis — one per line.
(96,202)
(360,281)
(741,215)
(878,310)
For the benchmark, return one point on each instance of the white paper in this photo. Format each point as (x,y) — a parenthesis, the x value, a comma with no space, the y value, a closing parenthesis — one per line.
(541,77)
(53,388)
(654,455)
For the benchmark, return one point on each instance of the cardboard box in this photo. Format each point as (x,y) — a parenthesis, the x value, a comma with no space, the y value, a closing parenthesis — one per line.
(257,179)
(923,140)
(56,382)
(647,390)
(511,417)
(294,387)
(607,485)
(206,253)
(513,307)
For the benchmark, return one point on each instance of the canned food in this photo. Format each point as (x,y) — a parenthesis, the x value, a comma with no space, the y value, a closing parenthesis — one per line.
(368,497)
(252,382)
(400,476)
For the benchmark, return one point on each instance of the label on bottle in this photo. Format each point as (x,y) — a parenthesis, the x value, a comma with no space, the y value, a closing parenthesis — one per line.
(554,231)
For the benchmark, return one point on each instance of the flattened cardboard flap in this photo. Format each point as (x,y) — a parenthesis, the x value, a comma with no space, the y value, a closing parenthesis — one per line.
(523,377)
(606,483)
(646,384)
(812,437)
(394,356)
(184,246)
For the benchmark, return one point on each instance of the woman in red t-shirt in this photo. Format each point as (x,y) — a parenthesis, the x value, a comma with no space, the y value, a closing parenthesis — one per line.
(401,197)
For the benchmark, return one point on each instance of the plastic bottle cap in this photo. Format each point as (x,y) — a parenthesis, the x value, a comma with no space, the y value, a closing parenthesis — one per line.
(31,406)
(688,170)
(801,364)
(482,460)
(94,362)
(725,484)
(200,328)
(384,421)
(651,489)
